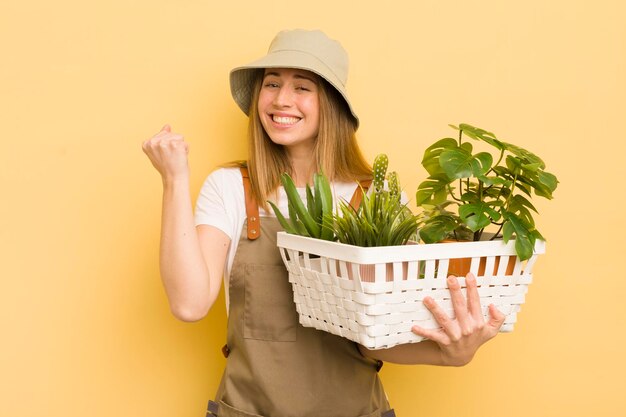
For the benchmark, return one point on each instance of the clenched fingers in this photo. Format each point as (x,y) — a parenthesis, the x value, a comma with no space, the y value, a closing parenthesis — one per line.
(168,153)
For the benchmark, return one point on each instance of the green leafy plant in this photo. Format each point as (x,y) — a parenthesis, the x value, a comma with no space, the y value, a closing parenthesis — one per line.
(381,219)
(313,219)
(466,192)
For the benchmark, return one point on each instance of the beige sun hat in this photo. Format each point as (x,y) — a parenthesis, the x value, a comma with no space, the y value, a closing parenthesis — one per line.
(309,50)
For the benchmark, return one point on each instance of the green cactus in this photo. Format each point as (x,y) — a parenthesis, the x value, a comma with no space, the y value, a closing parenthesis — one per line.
(380,171)
(394,184)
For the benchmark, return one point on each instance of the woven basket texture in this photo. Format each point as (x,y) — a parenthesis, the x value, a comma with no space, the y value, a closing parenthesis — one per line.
(374,296)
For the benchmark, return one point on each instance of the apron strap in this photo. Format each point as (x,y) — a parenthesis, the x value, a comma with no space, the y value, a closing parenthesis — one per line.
(355,201)
(252,208)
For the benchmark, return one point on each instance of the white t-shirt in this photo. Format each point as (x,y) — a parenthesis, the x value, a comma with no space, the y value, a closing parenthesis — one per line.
(221,203)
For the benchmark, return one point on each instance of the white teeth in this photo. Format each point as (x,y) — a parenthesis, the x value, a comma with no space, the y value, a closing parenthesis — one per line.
(285,120)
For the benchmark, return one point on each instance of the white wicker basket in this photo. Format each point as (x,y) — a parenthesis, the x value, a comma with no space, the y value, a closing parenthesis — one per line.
(373,296)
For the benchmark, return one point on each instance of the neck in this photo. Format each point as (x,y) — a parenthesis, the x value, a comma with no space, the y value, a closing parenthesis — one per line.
(303,166)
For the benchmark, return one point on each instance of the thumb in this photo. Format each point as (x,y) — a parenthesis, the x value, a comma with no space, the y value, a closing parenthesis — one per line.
(166,128)
(497,318)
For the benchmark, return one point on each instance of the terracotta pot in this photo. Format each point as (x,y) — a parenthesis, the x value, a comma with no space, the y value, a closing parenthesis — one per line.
(461,266)
(368,271)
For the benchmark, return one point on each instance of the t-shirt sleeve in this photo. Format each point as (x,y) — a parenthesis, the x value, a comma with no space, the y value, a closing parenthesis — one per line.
(213,200)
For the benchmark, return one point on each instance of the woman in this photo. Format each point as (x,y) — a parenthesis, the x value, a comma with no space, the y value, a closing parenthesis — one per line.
(300,121)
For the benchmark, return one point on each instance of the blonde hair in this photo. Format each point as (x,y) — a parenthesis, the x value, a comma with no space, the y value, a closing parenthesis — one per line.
(337,153)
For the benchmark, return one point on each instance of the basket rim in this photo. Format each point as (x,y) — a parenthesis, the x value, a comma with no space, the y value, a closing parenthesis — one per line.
(402,253)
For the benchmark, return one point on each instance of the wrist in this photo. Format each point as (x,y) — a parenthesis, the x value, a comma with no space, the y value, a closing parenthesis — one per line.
(175,181)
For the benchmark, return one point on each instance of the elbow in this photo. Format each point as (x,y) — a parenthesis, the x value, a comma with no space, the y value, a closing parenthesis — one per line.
(189,314)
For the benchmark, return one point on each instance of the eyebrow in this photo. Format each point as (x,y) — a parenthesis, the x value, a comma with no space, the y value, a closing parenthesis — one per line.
(296,76)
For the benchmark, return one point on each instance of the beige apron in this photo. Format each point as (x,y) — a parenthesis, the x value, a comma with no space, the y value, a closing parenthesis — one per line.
(275,366)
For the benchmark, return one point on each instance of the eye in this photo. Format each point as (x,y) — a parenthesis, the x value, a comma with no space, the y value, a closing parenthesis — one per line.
(305,86)
(270,85)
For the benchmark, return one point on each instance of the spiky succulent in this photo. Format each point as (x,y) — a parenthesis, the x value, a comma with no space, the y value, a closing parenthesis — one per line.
(381,219)
(313,219)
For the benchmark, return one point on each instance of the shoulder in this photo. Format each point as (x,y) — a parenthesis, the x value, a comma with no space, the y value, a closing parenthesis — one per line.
(223,182)
(223,186)
(225,176)
(221,201)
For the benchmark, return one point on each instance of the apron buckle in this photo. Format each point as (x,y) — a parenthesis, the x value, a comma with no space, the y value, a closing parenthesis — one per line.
(212,409)
(225,351)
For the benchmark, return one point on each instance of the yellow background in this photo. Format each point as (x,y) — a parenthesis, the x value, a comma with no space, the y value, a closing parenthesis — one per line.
(85,325)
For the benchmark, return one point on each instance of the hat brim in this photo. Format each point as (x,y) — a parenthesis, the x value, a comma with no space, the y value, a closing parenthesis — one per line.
(241,78)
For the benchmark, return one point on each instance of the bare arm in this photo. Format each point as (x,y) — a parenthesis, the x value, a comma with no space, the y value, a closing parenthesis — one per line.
(458,339)
(191,259)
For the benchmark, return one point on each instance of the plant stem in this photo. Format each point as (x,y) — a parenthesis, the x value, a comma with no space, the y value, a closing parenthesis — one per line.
(506,202)
(508,199)
(497,232)
(499,159)
(496,164)
(450,191)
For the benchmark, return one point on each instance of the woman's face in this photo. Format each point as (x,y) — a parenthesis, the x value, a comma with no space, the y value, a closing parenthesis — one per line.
(289,107)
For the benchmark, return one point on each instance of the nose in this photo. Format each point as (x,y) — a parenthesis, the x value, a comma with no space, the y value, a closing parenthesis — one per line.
(283,97)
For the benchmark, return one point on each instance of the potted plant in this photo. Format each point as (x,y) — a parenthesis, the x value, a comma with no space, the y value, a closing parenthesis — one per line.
(468,192)
(381,219)
(361,288)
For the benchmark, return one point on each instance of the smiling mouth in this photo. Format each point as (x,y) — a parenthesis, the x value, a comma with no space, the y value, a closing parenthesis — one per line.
(285,120)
